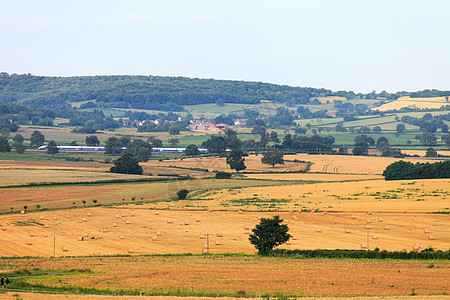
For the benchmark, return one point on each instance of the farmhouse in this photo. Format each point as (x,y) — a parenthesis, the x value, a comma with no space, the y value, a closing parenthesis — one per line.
(201,126)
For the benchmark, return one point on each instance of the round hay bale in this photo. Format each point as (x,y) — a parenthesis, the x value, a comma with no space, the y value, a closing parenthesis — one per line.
(114,224)
(347,230)
(89,214)
(84,220)
(318,230)
(210,209)
(123,215)
(386,227)
(374,237)
(416,247)
(3,228)
(105,229)
(202,236)
(29,242)
(246,231)
(197,220)
(219,234)
(294,238)
(368,221)
(45,234)
(363,246)
(154,238)
(41,218)
(426,230)
(31,234)
(369,212)
(204,250)
(246,227)
(99,236)
(86,234)
(96,253)
(127,222)
(259,217)
(45,225)
(205,246)
(255,251)
(325,212)
(288,243)
(121,236)
(169,221)
(156,213)
(218,243)
(240,212)
(368,227)
(55,218)
(158,233)
(380,220)
(431,237)
(64,249)
(22,212)
(186,223)
(80,238)
(132,214)
(118,216)
(295,218)
(312,211)
(130,250)
(353,217)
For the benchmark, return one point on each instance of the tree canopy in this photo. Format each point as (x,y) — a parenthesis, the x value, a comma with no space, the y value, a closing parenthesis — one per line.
(236,161)
(268,234)
(127,164)
(273,158)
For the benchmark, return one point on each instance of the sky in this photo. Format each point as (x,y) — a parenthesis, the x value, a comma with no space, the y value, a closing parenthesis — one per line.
(358,45)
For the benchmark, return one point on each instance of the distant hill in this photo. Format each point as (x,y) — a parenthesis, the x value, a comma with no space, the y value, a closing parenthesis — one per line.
(157,92)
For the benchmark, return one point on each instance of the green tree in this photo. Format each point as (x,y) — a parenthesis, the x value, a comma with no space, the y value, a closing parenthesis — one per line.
(143,154)
(19,147)
(52,148)
(192,150)
(274,157)
(4,144)
(376,129)
(113,146)
(400,128)
(92,141)
(18,138)
(127,164)
(361,148)
(182,194)
(268,234)
(37,139)
(157,143)
(236,161)
(427,139)
(174,130)
(343,150)
(174,142)
(431,152)
(446,140)
(5,131)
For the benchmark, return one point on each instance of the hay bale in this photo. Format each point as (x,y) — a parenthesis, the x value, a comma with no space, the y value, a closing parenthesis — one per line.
(130,250)
(246,227)
(64,249)
(99,236)
(368,227)
(312,211)
(325,212)
(353,217)
(347,230)
(431,237)
(123,215)
(45,225)
(41,218)
(295,218)
(255,251)
(121,236)
(45,234)
(197,220)
(240,212)
(288,243)
(114,224)
(89,214)
(259,217)
(3,228)
(186,223)
(368,221)
(86,234)
(246,231)
(219,234)
(386,227)
(84,220)
(105,229)
(205,246)
(403,250)
(374,237)
(202,236)
(118,216)
(127,222)
(31,234)
(205,250)
(22,212)
(363,246)
(29,242)
(218,243)
(426,230)
(96,253)
(318,230)
(294,238)
(132,214)
(158,233)
(156,213)
(169,221)
(154,238)
(380,220)
(416,247)
(80,238)
(55,218)
(369,212)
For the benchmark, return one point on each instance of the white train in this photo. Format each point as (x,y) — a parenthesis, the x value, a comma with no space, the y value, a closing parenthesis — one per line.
(93,148)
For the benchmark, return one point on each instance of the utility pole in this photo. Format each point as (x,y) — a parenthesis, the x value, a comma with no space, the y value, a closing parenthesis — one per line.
(54,246)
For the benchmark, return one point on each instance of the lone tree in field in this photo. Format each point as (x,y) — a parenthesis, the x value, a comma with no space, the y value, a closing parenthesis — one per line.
(236,161)
(274,157)
(192,150)
(182,194)
(269,233)
(127,164)
(37,139)
(52,148)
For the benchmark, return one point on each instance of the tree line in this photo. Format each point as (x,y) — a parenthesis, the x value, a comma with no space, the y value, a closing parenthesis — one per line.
(403,170)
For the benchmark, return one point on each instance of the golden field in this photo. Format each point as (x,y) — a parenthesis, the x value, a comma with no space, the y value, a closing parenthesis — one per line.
(420,103)
(178,231)
(296,277)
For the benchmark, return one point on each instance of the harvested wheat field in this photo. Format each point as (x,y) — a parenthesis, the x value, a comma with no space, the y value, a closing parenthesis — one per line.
(252,162)
(314,176)
(109,231)
(242,275)
(416,103)
(429,195)
(53,165)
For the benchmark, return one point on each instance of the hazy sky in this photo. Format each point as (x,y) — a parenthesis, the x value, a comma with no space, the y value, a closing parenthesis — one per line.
(357,45)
